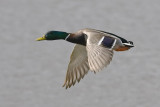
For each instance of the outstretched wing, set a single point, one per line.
(99, 49)
(98, 57)
(77, 67)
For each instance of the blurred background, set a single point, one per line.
(32, 73)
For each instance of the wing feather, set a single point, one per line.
(77, 67)
(94, 56)
(98, 57)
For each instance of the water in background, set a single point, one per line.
(32, 73)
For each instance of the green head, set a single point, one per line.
(53, 35)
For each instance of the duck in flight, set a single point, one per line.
(93, 51)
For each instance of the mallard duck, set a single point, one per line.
(93, 51)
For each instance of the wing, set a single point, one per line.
(98, 57)
(99, 49)
(77, 67)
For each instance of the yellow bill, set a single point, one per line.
(41, 38)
